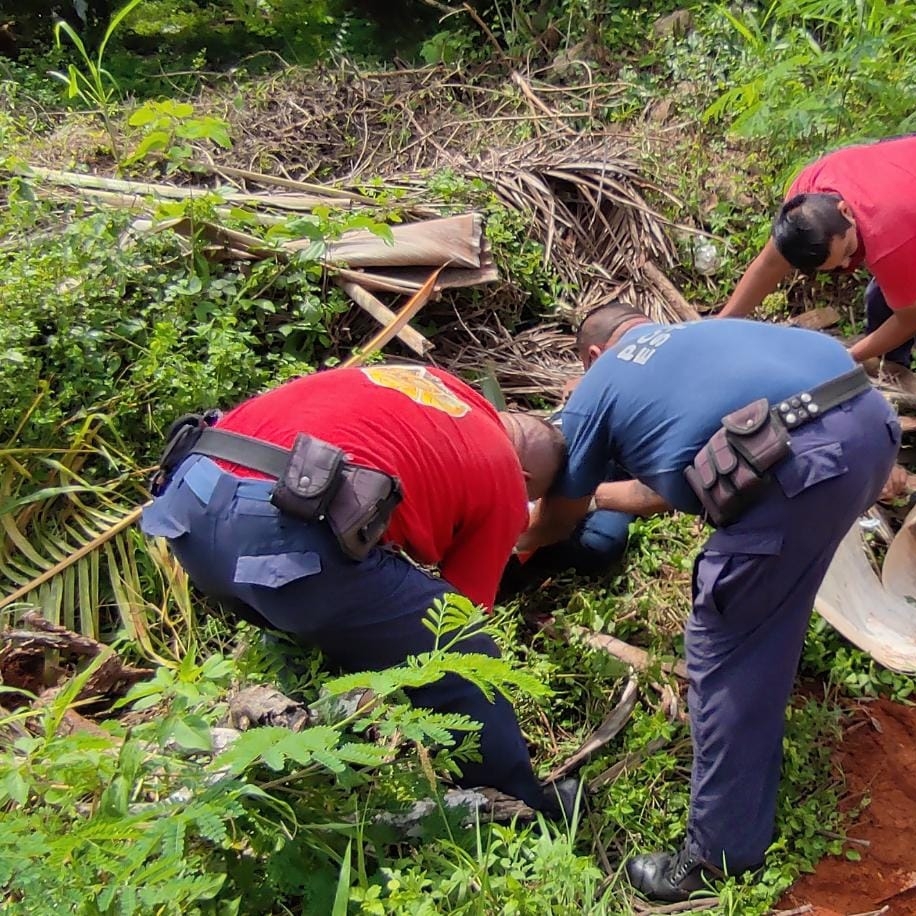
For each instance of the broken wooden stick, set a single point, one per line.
(413, 305)
(637, 658)
(613, 773)
(795, 911)
(684, 906)
(383, 315)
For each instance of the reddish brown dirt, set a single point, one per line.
(878, 756)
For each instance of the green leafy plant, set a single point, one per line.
(167, 128)
(816, 73)
(94, 85)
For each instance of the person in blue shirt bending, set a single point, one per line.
(784, 478)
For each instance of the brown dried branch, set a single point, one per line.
(605, 732)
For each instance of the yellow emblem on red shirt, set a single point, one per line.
(420, 385)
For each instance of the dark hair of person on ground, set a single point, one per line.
(599, 324)
(805, 227)
(540, 447)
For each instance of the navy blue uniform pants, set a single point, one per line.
(292, 576)
(754, 587)
(877, 311)
(597, 545)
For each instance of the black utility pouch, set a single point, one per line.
(730, 472)
(362, 509)
(311, 480)
(757, 435)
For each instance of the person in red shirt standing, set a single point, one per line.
(466, 474)
(854, 206)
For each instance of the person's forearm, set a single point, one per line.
(898, 329)
(630, 496)
(761, 278)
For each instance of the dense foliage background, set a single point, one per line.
(107, 334)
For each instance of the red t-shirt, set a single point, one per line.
(878, 181)
(464, 503)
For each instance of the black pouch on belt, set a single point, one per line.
(362, 509)
(319, 483)
(311, 480)
(730, 472)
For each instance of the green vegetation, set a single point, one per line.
(108, 333)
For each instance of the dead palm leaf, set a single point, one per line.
(67, 546)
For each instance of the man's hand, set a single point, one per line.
(898, 329)
(765, 273)
(899, 484)
(553, 519)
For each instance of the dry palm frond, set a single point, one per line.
(68, 548)
(54, 522)
(534, 363)
(389, 137)
(874, 616)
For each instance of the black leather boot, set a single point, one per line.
(671, 876)
(560, 798)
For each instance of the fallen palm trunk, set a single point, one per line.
(361, 260)
(37, 655)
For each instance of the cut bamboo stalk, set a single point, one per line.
(290, 183)
(297, 202)
(384, 316)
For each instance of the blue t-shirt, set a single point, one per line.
(654, 399)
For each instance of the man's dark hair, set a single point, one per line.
(601, 322)
(804, 228)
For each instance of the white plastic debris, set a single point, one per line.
(706, 257)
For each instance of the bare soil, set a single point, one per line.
(878, 756)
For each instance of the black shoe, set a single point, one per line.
(560, 798)
(671, 877)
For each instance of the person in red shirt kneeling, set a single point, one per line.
(465, 474)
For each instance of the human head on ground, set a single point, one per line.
(540, 447)
(603, 326)
(816, 232)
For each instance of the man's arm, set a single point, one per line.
(554, 519)
(898, 329)
(763, 275)
(630, 496)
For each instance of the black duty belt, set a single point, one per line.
(733, 469)
(243, 450)
(809, 405)
(315, 480)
